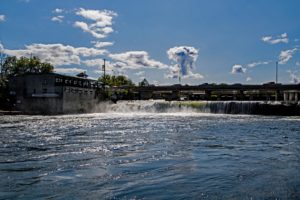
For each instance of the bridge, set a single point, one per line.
(289, 93)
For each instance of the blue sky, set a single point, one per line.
(222, 41)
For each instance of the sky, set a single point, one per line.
(196, 41)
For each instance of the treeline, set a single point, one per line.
(112, 80)
(13, 66)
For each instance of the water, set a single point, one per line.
(174, 155)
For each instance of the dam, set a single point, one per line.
(59, 94)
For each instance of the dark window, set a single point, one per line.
(45, 90)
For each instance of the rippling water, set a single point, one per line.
(149, 156)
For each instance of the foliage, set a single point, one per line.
(13, 66)
(112, 80)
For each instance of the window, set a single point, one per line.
(44, 90)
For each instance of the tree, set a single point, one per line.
(13, 66)
(115, 80)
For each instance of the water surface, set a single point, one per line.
(149, 156)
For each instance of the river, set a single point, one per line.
(149, 155)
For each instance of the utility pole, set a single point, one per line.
(276, 94)
(103, 68)
(2, 60)
(276, 72)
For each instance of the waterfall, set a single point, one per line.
(225, 107)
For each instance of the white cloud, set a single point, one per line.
(2, 18)
(56, 54)
(238, 69)
(298, 64)
(248, 79)
(286, 55)
(156, 83)
(102, 44)
(98, 63)
(58, 18)
(192, 75)
(283, 38)
(58, 10)
(254, 64)
(174, 73)
(294, 77)
(140, 73)
(135, 60)
(102, 22)
(68, 70)
(185, 58)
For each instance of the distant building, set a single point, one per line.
(53, 93)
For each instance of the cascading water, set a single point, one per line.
(225, 107)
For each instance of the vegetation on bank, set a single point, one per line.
(115, 81)
(112, 80)
(13, 66)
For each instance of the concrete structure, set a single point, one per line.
(266, 92)
(291, 96)
(53, 93)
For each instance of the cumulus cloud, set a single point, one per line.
(192, 75)
(294, 77)
(283, 38)
(102, 22)
(185, 58)
(58, 10)
(58, 18)
(140, 73)
(238, 69)
(248, 79)
(98, 44)
(56, 54)
(2, 18)
(135, 60)
(68, 70)
(286, 55)
(254, 64)
(98, 63)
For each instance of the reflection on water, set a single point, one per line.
(152, 156)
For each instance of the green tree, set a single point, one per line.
(112, 80)
(13, 66)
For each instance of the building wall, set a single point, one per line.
(78, 99)
(52, 94)
(42, 105)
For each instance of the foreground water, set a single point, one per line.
(149, 156)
